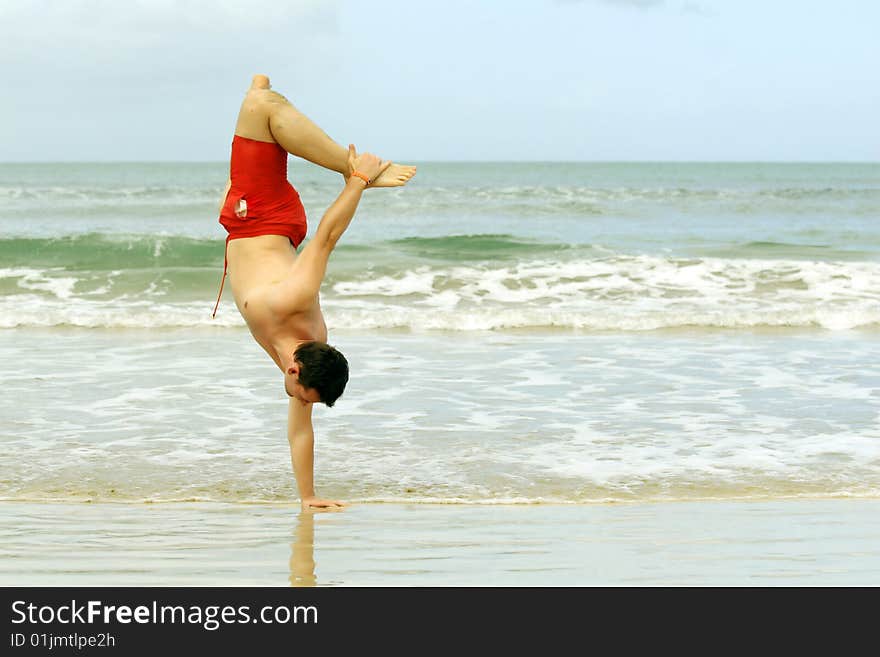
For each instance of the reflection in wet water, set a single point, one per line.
(302, 551)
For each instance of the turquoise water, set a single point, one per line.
(476, 246)
(518, 332)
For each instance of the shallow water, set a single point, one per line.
(474, 418)
(782, 543)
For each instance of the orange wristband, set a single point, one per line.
(362, 177)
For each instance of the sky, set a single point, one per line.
(416, 81)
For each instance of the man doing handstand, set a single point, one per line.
(276, 290)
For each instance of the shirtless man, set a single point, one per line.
(276, 290)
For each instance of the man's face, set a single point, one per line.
(296, 390)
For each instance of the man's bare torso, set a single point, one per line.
(257, 266)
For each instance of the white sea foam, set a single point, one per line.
(624, 292)
(31, 310)
(630, 293)
(53, 280)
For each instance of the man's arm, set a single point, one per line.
(302, 286)
(301, 437)
(311, 265)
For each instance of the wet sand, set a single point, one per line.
(834, 542)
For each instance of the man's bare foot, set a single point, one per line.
(260, 82)
(394, 176)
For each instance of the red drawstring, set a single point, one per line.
(222, 281)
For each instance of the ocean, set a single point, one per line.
(565, 333)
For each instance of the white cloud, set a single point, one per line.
(638, 4)
(116, 33)
(642, 4)
(697, 9)
(109, 56)
(93, 18)
(131, 77)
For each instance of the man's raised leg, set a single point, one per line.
(300, 136)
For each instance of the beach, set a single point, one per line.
(611, 374)
(771, 543)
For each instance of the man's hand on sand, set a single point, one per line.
(318, 503)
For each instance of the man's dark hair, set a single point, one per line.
(322, 368)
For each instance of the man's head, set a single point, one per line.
(318, 373)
